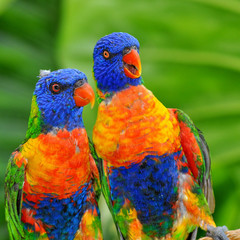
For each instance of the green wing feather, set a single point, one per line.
(97, 177)
(13, 198)
(105, 188)
(201, 163)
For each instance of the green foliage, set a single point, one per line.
(190, 56)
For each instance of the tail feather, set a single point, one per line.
(193, 235)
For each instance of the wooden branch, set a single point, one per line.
(232, 235)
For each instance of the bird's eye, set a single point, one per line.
(106, 54)
(55, 88)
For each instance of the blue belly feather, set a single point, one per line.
(63, 216)
(152, 188)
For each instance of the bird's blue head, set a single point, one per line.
(58, 100)
(117, 63)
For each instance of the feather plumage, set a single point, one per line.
(156, 165)
(52, 183)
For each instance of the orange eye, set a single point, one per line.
(106, 54)
(55, 87)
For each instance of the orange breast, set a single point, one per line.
(132, 125)
(57, 164)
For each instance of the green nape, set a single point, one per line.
(34, 122)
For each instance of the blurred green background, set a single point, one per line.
(190, 52)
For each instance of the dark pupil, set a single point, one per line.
(56, 87)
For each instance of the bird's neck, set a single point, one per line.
(34, 122)
(102, 95)
(108, 94)
(44, 122)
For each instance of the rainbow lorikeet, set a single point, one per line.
(156, 165)
(52, 182)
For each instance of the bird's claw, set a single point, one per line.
(217, 233)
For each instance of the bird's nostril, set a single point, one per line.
(126, 50)
(80, 82)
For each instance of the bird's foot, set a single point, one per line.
(217, 233)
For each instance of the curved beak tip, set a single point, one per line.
(132, 64)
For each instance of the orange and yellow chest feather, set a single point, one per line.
(57, 163)
(133, 124)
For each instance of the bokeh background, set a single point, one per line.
(190, 52)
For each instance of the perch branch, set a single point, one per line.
(232, 235)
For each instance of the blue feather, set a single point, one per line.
(61, 216)
(59, 110)
(151, 187)
(110, 73)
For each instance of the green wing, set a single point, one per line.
(96, 169)
(197, 153)
(105, 188)
(13, 197)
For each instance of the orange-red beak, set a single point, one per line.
(84, 95)
(132, 64)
